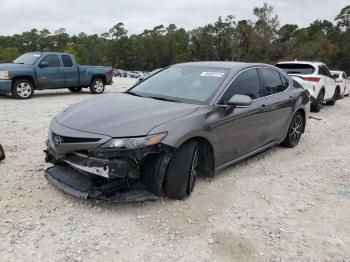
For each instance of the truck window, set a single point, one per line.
(67, 61)
(52, 61)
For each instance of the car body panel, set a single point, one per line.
(122, 115)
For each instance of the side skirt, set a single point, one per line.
(255, 152)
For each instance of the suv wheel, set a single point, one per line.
(316, 107)
(295, 131)
(336, 97)
(22, 89)
(97, 86)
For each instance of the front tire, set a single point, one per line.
(22, 89)
(295, 131)
(182, 171)
(97, 86)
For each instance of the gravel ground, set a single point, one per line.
(283, 205)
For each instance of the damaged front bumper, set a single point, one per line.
(86, 186)
(117, 176)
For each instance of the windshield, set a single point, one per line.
(27, 59)
(187, 84)
(303, 69)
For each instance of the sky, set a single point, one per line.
(98, 16)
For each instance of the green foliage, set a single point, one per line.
(8, 54)
(262, 40)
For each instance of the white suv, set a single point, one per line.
(343, 81)
(316, 78)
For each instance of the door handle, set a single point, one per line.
(265, 108)
(292, 98)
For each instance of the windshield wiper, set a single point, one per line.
(163, 99)
(134, 94)
(18, 63)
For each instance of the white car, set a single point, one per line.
(316, 78)
(343, 81)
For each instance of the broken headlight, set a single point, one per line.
(135, 143)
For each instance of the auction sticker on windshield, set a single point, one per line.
(213, 74)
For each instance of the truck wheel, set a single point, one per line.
(97, 86)
(182, 171)
(75, 89)
(22, 89)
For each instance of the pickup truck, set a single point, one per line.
(51, 70)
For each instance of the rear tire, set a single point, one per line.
(75, 89)
(22, 89)
(182, 171)
(295, 131)
(336, 97)
(97, 86)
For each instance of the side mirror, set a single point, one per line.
(43, 64)
(240, 101)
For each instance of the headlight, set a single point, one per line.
(4, 75)
(134, 143)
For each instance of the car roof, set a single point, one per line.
(302, 62)
(228, 65)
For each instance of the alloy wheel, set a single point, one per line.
(24, 90)
(98, 86)
(194, 170)
(296, 129)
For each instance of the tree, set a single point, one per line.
(266, 28)
(343, 18)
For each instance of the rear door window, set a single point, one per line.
(52, 61)
(67, 61)
(272, 82)
(247, 83)
(302, 69)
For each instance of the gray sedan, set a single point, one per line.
(188, 120)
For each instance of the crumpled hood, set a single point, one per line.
(122, 115)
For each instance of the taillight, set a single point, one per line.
(312, 79)
(339, 81)
(111, 72)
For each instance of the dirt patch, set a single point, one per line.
(283, 205)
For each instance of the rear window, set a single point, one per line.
(302, 69)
